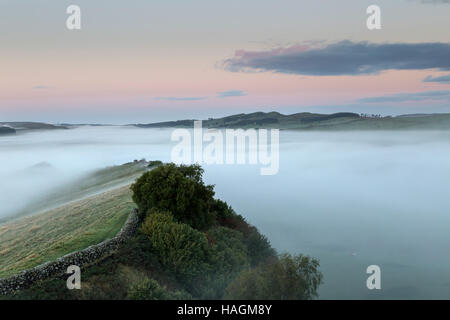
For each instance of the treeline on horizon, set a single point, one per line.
(190, 245)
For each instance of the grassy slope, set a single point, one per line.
(81, 214)
(92, 184)
(44, 237)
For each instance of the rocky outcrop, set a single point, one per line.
(81, 258)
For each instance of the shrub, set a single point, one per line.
(289, 278)
(228, 251)
(150, 289)
(222, 210)
(250, 285)
(228, 257)
(227, 217)
(259, 248)
(156, 218)
(180, 248)
(178, 189)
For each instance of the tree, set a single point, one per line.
(259, 248)
(289, 278)
(178, 189)
(180, 248)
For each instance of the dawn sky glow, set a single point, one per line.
(151, 61)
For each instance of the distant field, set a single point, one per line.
(44, 237)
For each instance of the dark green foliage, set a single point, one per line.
(45, 290)
(228, 251)
(259, 248)
(228, 256)
(179, 247)
(222, 211)
(155, 218)
(289, 278)
(138, 252)
(227, 217)
(154, 163)
(178, 189)
(205, 263)
(149, 289)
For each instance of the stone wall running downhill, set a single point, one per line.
(81, 258)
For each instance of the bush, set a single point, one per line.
(228, 257)
(289, 278)
(180, 248)
(250, 285)
(156, 218)
(150, 289)
(178, 189)
(259, 248)
(228, 251)
(222, 211)
(227, 217)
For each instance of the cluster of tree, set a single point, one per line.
(210, 249)
(376, 116)
(149, 289)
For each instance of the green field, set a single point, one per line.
(33, 240)
(83, 213)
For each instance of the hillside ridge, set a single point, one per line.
(316, 121)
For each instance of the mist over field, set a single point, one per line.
(351, 199)
(36, 163)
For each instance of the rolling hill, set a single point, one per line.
(7, 130)
(22, 125)
(316, 121)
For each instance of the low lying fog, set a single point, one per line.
(351, 199)
(36, 162)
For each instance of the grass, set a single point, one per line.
(91, 184)
(37, 239)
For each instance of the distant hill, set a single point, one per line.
(31, 126)
(70, 125)
(7, 130)
(316, 121)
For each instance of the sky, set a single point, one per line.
(144, 61)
